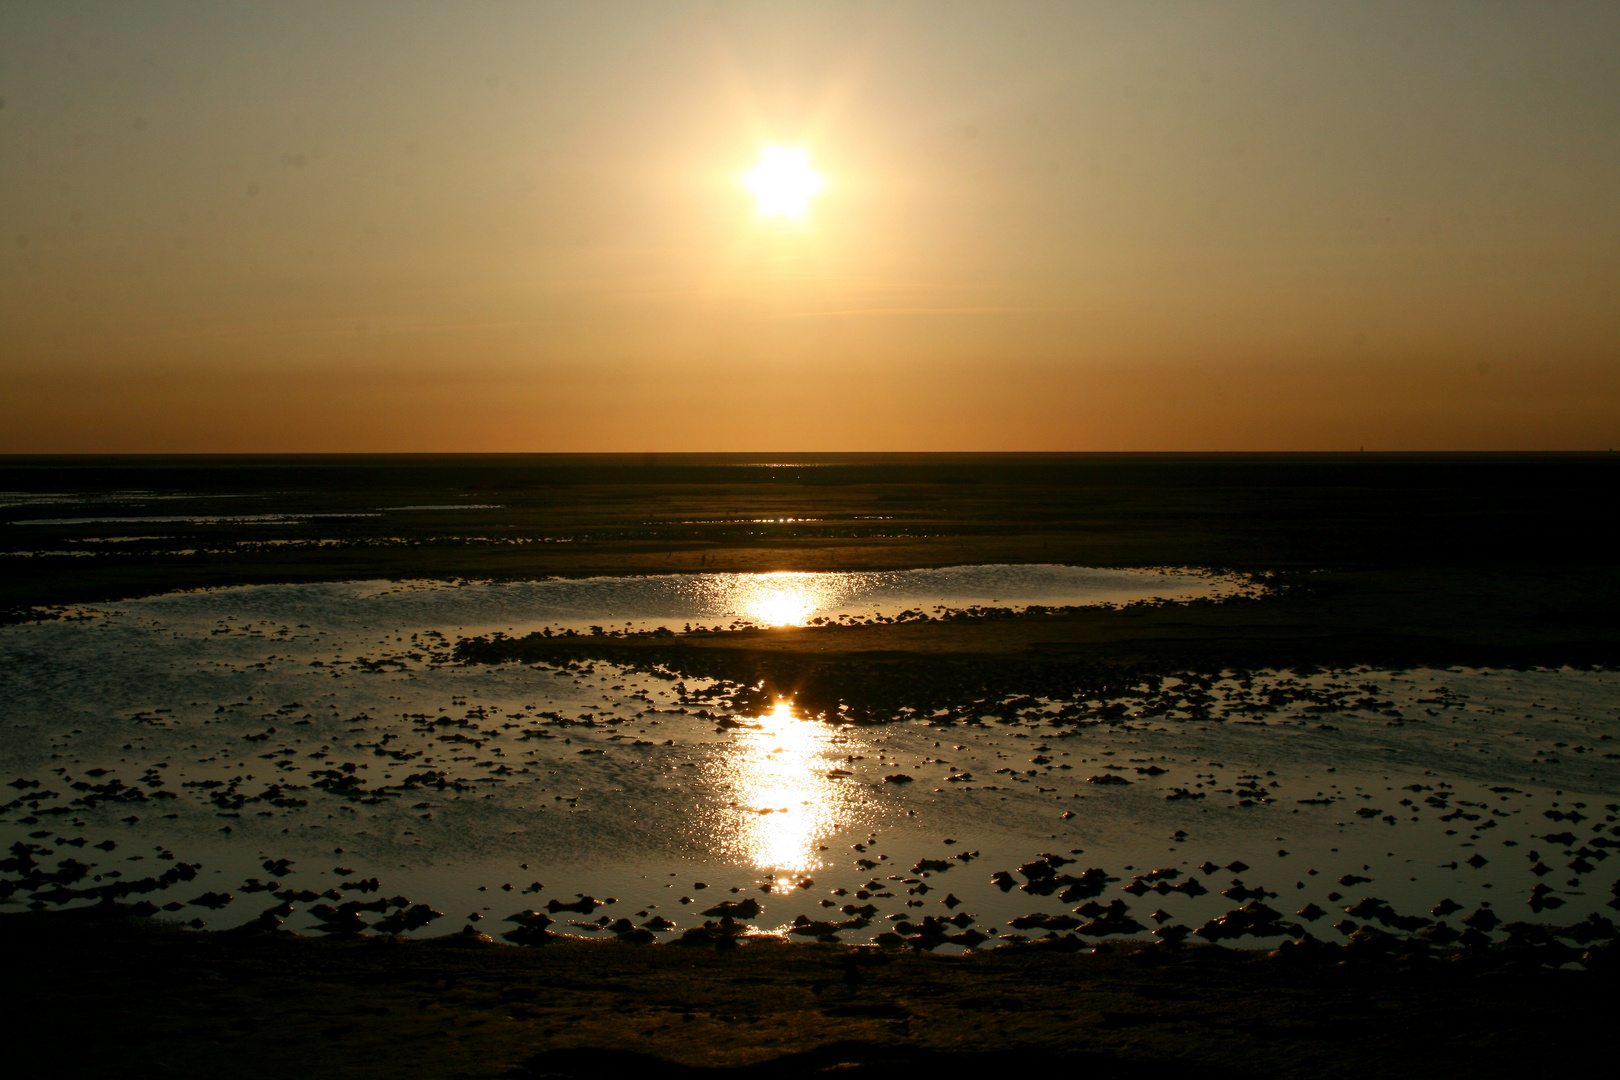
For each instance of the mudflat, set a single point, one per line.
(1385, 560)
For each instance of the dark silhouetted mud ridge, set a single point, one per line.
(955, 665)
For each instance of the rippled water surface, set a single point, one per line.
(674, 600)
(326, 726)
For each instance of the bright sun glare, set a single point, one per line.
(783, 182)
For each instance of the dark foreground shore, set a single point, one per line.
(88, 997)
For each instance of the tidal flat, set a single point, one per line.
(1153, 725)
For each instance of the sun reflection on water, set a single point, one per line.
(784, 598)
(785, 803)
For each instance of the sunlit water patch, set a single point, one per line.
(785, 799)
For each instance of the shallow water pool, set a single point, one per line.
(316, 740)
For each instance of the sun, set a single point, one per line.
(783, 182)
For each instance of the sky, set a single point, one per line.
(1071, 226)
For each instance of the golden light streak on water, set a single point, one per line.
(786, 804)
